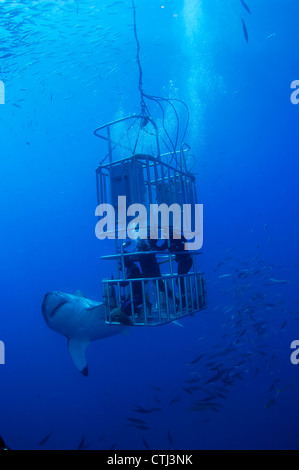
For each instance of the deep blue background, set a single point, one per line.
(69, 67)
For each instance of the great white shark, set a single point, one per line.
(81, 320)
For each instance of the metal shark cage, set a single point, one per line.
(147, 178)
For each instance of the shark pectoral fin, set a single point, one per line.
(177, 323)
(77, 350)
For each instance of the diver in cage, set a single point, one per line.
(150, 266)
(133, 272)
(184, 260)
(148, 261)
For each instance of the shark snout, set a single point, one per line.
(51, 301)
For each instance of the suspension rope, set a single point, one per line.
(144, 109)
(157, 99)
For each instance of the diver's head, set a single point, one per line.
(143, 245)
(126, 244)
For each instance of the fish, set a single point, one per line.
(7, 55)
(272, 35)
(244, 274)
(139, 409)
(216, 377)
(192, 389)
(135, 420)
(3, 446)
(270, 403)
(278, 391)
(170, 438)
(273, 384)
(279, 281)
(197, 359)
(81, 445)
(206, 400)
(194, 380)
(45, 439)
(139, 426)
(81, 320)
(262, 353)
(158, 389)
(145, 443)
(246, 6)
(205, 407)
(187, 390)
(175, 400)
(245, 31)
(210, 364)
(224, 276)
(221, 389)
(218, 266)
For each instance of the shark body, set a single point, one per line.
(79, 319)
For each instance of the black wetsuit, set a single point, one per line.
(148, 262)
(133, 272)
(184, 261)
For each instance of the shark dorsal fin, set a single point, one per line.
(79, 293)
(77, 350)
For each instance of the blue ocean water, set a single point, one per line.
(70, 66)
